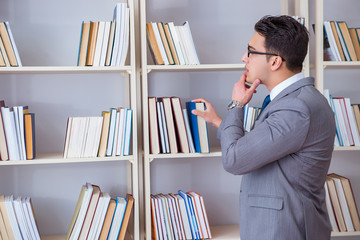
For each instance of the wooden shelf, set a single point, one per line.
(200, 67)
(63, 69)
(229, 232)
(58, 158)
(215, 152)
(343, 64)
(352, 148)
(345, 234)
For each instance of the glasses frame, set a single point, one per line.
(263, 53)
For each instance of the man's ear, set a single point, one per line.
(276, 62)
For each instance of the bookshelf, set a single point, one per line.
(54, 88)
(326, 73)
(171, 172)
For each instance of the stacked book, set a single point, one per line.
(179, 216)
(341, 43)
(99, 136)
(170, 44)
(17, 219)
(17, 133)
(341, 205)
(174, 129)
(105, 43)
(99, 216)
(9, 55)
(347, 117)
(250, 116)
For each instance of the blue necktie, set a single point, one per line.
(265, 103)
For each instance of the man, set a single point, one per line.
(284, 159)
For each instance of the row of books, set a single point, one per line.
(99, 216)
(171, 44)
(17, 133)
(341, 205)
(105, 43)
(174, 129)
(179, 216)
(99, 136)
(347, 117)
(341, 42)
(17, 218)
(9, 55)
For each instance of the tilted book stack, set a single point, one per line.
(171, 44)
(17, 218)
(9, 55)
(99, 216)
(105, 43)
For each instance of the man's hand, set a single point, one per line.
(243, 92)
(209, 114)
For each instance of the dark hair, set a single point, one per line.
(286, 37)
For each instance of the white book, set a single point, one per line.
(330, 210)
(13, 44)
(249, 116)
(20, 130)
(165, 216)
(191, 43)
(167, 144)
(155, 219)
(100, 223)
(188, 131)
(352, 120)
(13, 220)
(160, 44)
(332, 42)
(184, 216)
(20, 215)
(341, 122)
(10, 133)
(125, 43)
(338, 140)
(111, 135)
(82, 212)
(116, 133)
(97, 136)
(160, 218)
(28, 208)
(183, 44)
(177, 44)
(99, 43)
(92, 137)
(343, 204)
(67, 137)
(127, 132)
(199, 205)
(105, 42)
(161, 128)
(120, 142)
(98, 220)
(346, 121)
(171, 213)
(178, 216)
(121, 33)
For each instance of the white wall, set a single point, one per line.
(48, 32)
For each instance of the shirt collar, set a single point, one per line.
(284, 84)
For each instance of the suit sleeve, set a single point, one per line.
(283, 132)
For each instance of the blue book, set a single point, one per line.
(191, 215)
(194, 125)
(118, 217)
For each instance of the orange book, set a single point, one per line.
(336, 204)
(155, 50)
(165, 42)
(92, 43)
(85, 32)
(125, 222)
(108, 218)
(29, 125)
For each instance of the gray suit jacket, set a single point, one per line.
(284, 159)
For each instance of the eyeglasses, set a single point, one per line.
(263, 53)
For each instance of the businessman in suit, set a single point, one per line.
(285, 158)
